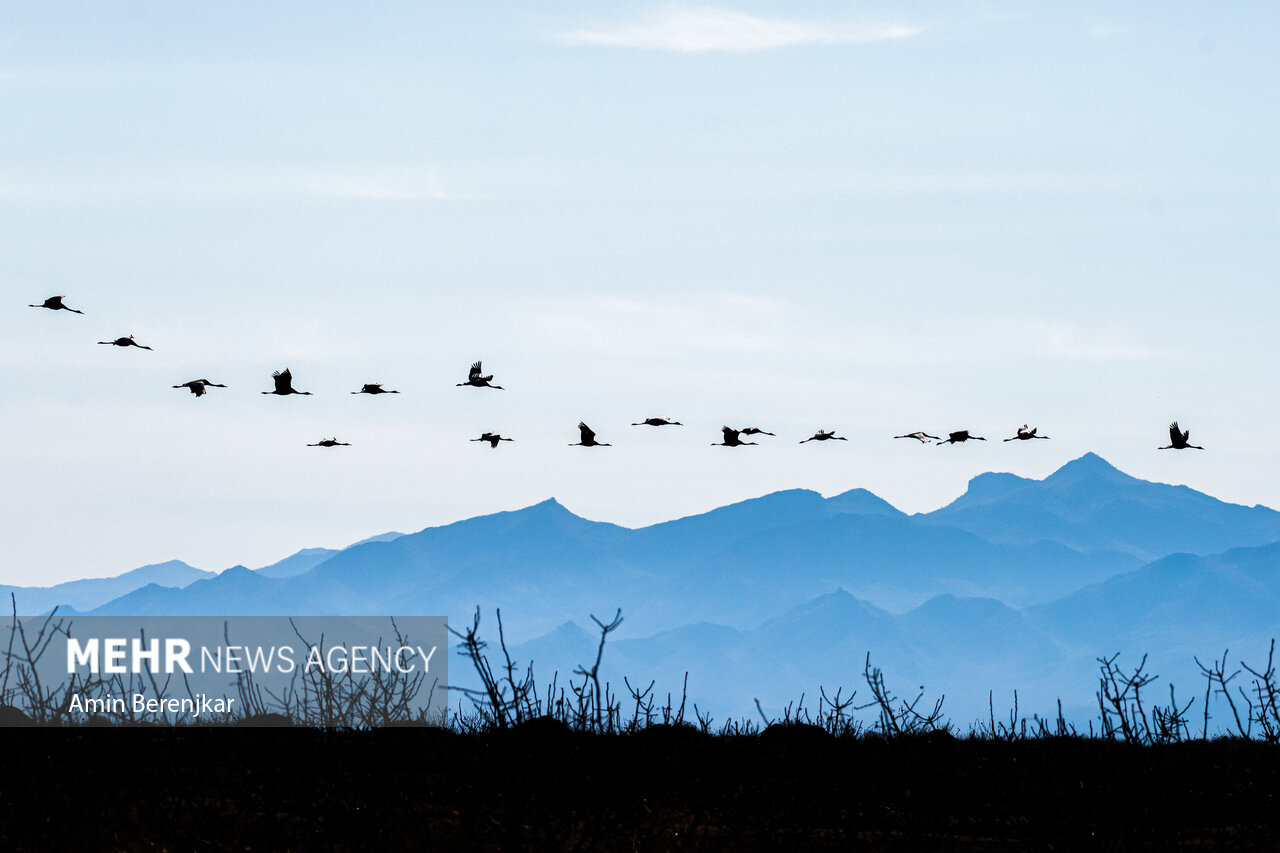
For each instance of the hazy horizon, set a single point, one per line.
(374, 535)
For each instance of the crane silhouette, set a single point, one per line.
(922, 437)
(753, 431)
(474, 379)
(329, 442)
(825, 435)
(960, 436)
(374, 388)
(199, 386)
(588, 438)
(284, 384)
(1179, 439)
(492, 437)
(1024, 434)
(54, 303)
(658, 422)
(731, 438)
(124, 342)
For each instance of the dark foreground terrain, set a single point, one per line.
(663, 789)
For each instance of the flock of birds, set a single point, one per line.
(1179, 439)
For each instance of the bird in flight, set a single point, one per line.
(374, 388)
(825, 435)
(124, 342)
(960, 436)
(588, 438)
(284, 383)
(658, 422)
(475, 379)
(1024, 434)
(731, 438)
(1179, 439)
(753, 431)
(922, 437)
(492, 437)
(329, 442)
(199, 386)
(54, 303)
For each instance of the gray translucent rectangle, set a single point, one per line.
(330, 671)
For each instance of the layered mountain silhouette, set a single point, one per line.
(94, 592)
(1017, 584)
(1089, 505)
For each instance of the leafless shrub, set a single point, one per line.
(1260, 702)
(1264, 709)
(501, 702)
(319, 697)
(1121, 709)
(897, 716)
(22, 685)
(595, 705)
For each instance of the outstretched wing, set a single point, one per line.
(1175, 435)
(475, 371)
(283, 379)
(730, 434)
(587, 435)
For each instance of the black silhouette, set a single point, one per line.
(284, 383)
(730, 438)
(1024, 434)
(374, 388)
(54, 303)
(492, 437)
(475, 379)
(1179, 440)
(825, 435)
(922, 437)
(124, 342)
(753, 431)
(199, 386)
(328, 442)
(960, 436)
(588, 438)
(658, 422)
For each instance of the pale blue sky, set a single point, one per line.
(864, 217)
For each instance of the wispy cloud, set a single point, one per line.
(731, 324)
(403, 184)
(188, 182)
(1105, 30)
(996, 340)
(711, 29)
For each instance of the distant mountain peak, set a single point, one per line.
(381, 537)
(550, 508)
(1090, 465)
(862, 502)
(993, 486)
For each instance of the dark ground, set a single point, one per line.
(425, 789)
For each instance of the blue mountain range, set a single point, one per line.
(1017, 584)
